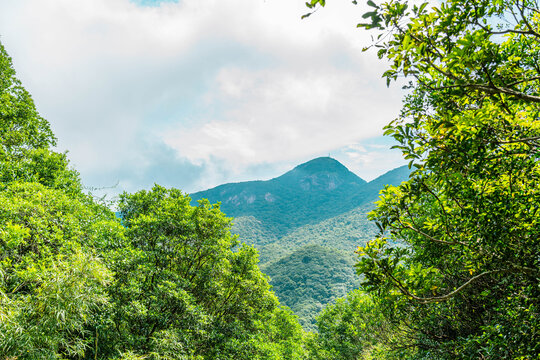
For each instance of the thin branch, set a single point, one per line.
(504, 90)
(534, 138)
(427, 300)
(407, 226)
(509, 31)
(490, 90)
(524, 80)
(527, 23)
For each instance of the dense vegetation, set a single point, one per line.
(310, 278)
(78, 283)
(453, 272)
(467, 283)
(344, 232)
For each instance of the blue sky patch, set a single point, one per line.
(152, 2)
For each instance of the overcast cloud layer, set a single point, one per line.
(201, 92)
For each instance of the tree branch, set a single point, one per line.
(427, 300)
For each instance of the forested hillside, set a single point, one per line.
(310, 278)
(344, 232)
(319, 206)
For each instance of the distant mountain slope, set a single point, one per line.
(335, 224)
(344, 232)
(311, 277)
(311, 192)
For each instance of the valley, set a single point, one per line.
(316, 211)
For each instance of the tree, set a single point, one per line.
(181, 292)
(26, 139)
(457, 256)
(52, 281)
(21, 126)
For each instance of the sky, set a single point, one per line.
(195, 93)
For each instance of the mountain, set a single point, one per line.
(308, 194)
(318, 208)
(281, 214)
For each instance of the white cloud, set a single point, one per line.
(228, 84)
(274, 115)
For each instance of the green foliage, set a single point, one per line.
(352, 328)
(182, 292)
(343, 232)
(76, 282)
(252, 231)
(51, 282)
(41, 166)
(21, 127)
(466, 283)
(25, 139)
(310, 278)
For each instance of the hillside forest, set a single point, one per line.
(451, 270)
(306, 225)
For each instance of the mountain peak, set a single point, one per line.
(322, 164)
(323, 173)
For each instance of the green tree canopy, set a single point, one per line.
(21, 127)
(185, 288)
(167, 281)
(52, 281)
(26, 139)
(465, 273)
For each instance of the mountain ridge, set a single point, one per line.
(322, 168)
(309, 193)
